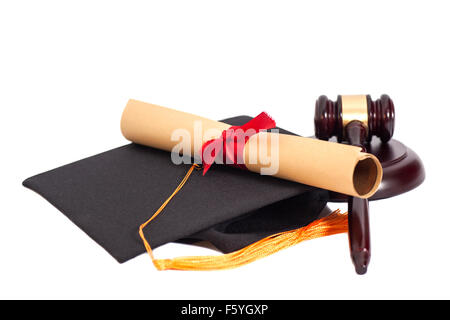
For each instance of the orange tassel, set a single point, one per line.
(335, 223)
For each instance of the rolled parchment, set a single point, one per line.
(328, 165)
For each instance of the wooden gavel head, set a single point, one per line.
(354, 118)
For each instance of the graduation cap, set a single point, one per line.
(111, 194)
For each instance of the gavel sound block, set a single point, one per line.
(360, 121)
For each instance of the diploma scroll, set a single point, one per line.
(328, 165)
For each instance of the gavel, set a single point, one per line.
(355, 119)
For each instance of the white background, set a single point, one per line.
(67, 69)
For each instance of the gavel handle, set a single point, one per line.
(358, 209)
(359, 233)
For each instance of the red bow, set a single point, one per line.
(232, 142)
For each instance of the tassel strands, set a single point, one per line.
(335, 223)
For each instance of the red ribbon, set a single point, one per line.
(232, 142)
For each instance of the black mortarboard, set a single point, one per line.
(111, 194)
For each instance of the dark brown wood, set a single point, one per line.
(328, 118)
(358, 209)
(402, 168)
(356, 134)
(381, 118)
(359, 233)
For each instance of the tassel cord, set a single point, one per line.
(335, 223)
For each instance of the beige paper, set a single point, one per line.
(328, 165)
